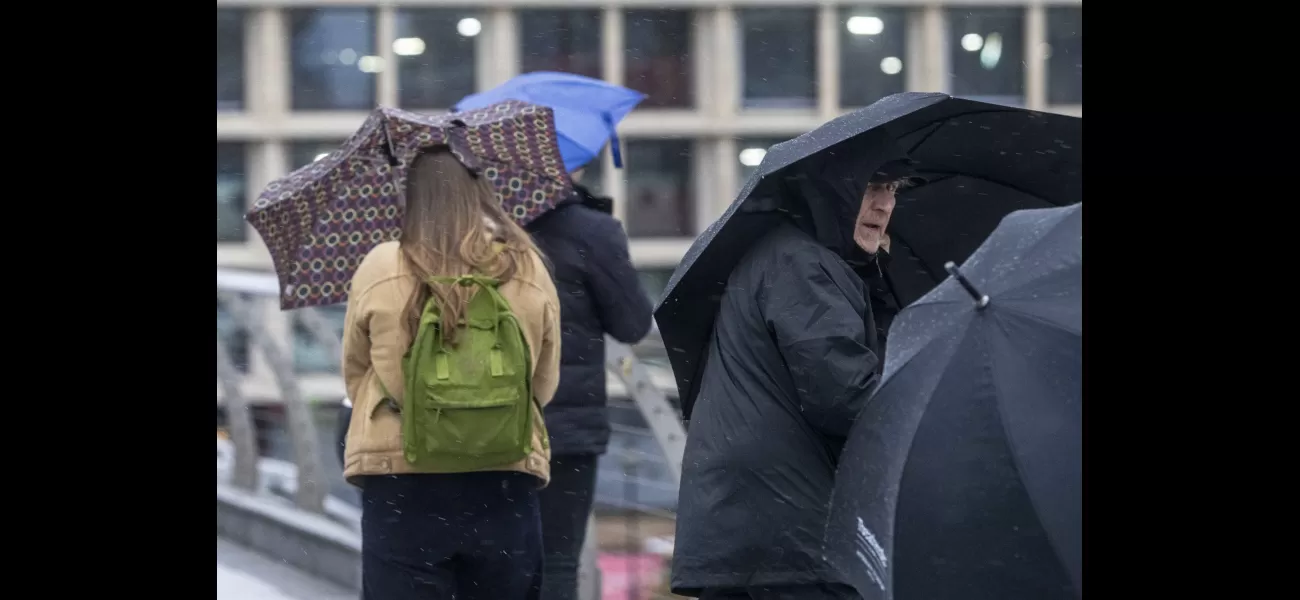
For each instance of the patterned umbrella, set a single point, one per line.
(320, 220)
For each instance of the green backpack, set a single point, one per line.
(468, 407)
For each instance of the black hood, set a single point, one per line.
(580, 196)
(826, 189)
(583, 195)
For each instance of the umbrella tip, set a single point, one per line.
(981, 300)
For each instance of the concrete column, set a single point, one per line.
(1035, 57)
(933, 73)
(828, 61)
(312, 486)
(243, 433)
(268, 62)
(385, 32)
(725, 67)
(503, 41)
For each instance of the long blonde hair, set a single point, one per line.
(453, 221)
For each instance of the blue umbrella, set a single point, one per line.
(586, 110)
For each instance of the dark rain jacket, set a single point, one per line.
(792, 360)
(884, 303)
(600, 293)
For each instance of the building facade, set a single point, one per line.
(725, 80)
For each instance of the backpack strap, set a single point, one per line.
(440, 360)
(496, 359)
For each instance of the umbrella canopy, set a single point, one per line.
(586, 110)
(962, 477)
(322, 219)
(981, 161)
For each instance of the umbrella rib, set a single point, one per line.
(925, 138)
(944, 121)
(950, 174)
(1015, 454)
(929, 397)
(1037, 319)
(1027, 251)
(1042, 238)
(899, 237)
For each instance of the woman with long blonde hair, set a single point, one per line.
(425, 535)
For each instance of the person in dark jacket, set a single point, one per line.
(600, 294)
(795, 353)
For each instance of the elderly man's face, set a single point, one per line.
(873, 216)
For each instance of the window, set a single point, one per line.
(235, 338)
(435, 51)
(750, 154)
(873, 45)
(310, 356)
(231, 182)
(654, 280)
(230, 60)
(987, 47)
(309, 151)
(779, 57)
(1064, 55)
(658, 57)
(593, 176)
(560, 40)
(332, 57)
(645, 484)
(660, 189)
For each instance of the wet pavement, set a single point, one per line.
(246, 575)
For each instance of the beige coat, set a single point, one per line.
(374, 340)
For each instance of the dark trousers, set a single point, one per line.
(816, 591)
(464, 536)
(566, 504)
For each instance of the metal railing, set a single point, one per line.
(241, 292)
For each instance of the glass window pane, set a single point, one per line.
(660, 189)
(560, 40)
(593, 177)
(779, 57)
(1064, 55)
(230, 60)
(750, 153)
(306, 152)
(231, 182)
(654, 280)
(435, 50)
(658, 57)
(873, 45)
(988, 52)
(236, 339)
(333, 58)
(309, 356)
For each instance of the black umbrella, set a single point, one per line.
(982, 161)
(963, 475)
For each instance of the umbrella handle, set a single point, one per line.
(981, 300)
